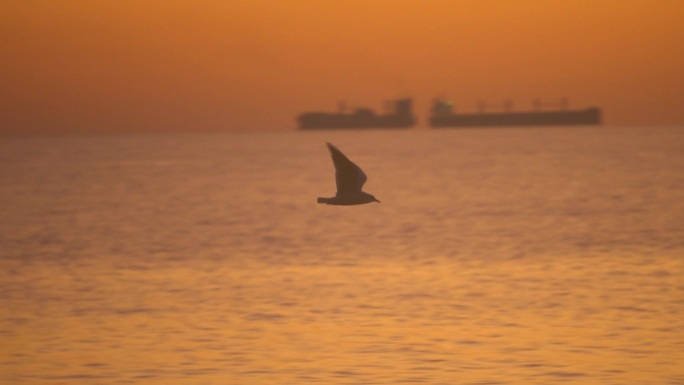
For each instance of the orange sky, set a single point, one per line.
(167, 65)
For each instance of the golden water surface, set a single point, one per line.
(525, 256)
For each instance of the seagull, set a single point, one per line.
(349, 179)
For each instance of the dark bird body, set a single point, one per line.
(349, 179)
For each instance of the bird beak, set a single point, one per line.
(376, 199)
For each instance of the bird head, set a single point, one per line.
(371, 198)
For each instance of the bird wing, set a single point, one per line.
(348, 176)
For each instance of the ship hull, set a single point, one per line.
(324, 121)
(590, 116)
(399, 116)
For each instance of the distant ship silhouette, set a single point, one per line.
(443, 116)
(399, 114)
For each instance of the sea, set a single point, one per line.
(497, 256)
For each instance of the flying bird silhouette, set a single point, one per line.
(349, 179)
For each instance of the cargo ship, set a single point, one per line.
(398, 114)
(444, 116)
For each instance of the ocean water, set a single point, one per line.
(497, 256)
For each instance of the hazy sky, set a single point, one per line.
(165, 65)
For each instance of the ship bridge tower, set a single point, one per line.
(442, 107)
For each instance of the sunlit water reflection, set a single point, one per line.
(525, 256)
